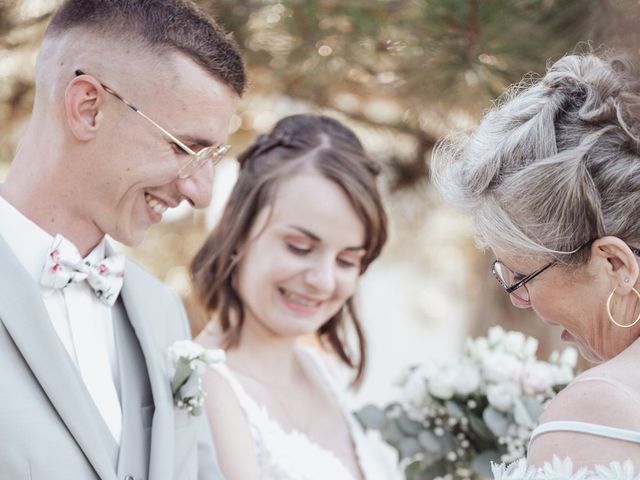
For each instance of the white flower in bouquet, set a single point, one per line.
(538, 377)
(467, 378)
(502, 395)
(501, 367)
(531, 347)
(569, 358)
(495, 335)
(513, 343)
(460, 415)
(565, 364)
(446, 380)
(478, 349)
(564, 375)
(441, 382)
(415, 389)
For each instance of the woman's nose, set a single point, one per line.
(321, 276)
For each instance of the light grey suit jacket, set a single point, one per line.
(49, 426)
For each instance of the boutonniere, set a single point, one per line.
(189, 361)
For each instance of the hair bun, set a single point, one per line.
(604, 91)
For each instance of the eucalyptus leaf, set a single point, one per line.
(481, 464)
(183, 371)
(409, 426)
(533, 406)
(370, 417)
(392, 408)
(521, 414)
(196, 411)
(429, 442)
(420, 470)
(436, 470)
(479, 428)
(414, 470)
(495, 421)
(190, 388)
(408, 447)
(391, 433)
(454, 409)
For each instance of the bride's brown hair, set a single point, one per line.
(297, 144)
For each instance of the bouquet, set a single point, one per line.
(455, 417)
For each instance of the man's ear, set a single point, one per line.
(621, 264)
(83, 100)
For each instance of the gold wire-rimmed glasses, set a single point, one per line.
(196, 160)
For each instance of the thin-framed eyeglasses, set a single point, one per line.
(196, 160)
(516, 284)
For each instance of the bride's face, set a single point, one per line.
(303, 257)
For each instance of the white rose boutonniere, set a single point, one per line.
(189, 361)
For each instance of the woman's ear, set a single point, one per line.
(83, 100)
(621, 263)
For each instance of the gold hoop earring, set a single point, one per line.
(609, 309)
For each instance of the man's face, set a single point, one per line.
(135, 177)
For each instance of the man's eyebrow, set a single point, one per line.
(316, 238)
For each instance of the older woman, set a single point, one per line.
(552, 180)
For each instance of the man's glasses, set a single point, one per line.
(211, 154)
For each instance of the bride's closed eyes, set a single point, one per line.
(348, 258)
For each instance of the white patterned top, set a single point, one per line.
(563, 470)
(283, 455)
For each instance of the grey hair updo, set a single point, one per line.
(555, 164)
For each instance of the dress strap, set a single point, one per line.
(588, 428)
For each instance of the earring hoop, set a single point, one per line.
(611, 316)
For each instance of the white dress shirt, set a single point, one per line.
(69, 309)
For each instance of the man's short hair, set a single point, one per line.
(161, 24)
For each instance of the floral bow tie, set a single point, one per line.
(64, 265)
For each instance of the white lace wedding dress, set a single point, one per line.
(292, 455)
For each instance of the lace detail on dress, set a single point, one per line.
(563, 470)
(283, 455)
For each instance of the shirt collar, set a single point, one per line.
(30, 243)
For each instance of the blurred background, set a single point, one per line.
(401, 73)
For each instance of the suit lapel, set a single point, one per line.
(26, 319)
(139, 303)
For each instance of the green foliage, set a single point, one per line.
(409, 66)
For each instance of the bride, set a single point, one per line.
(304, 221)
(552, 179)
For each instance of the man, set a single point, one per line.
(132, 105)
